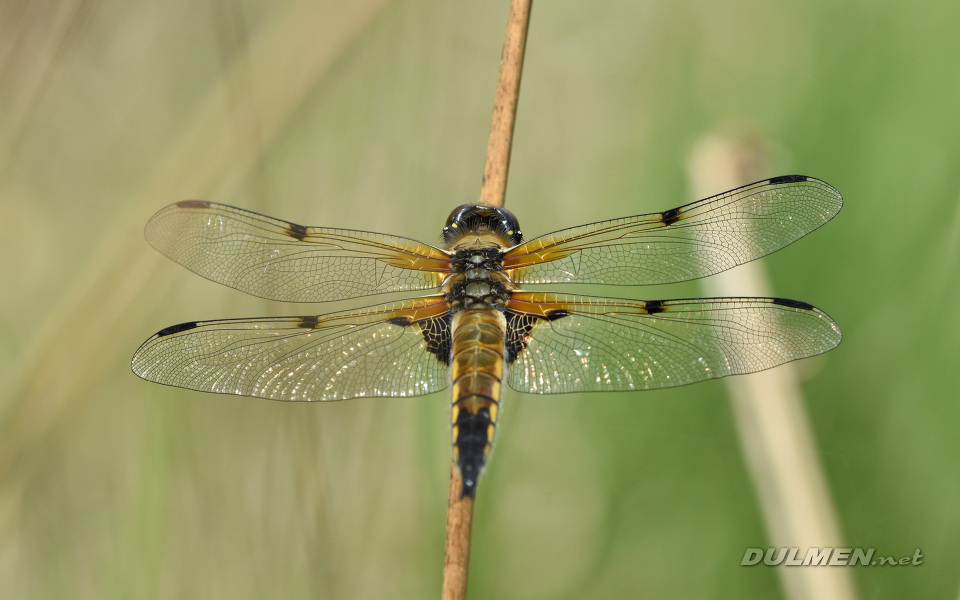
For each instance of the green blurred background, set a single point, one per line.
(374, 115)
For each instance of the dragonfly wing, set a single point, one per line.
(279, 260)
(558, 343)
(395, 349)
(696, 240)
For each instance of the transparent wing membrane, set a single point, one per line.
(384, 350)
(275, 259)
(695, 240)
(554, 343)
(564, 343)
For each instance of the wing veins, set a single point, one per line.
(736, 227)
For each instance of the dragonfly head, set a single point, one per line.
(478, 218)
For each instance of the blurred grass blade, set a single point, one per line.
(121, 282)
(768, 406)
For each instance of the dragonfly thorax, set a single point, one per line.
(477, 279)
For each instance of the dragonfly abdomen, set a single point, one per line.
(477, 374)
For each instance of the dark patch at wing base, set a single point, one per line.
(345, 354)
(612, 344)
(436, 332)
(518, 330)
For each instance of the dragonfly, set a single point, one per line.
(481, 326)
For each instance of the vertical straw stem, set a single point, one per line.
(494, 187)
(456, 551)
(456, 558)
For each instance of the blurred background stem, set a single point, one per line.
(778, 444)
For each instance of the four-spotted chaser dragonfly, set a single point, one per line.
(483, 328)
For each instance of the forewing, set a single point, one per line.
(696, 240)
(397, 349)
(285, 261)
(563, 343)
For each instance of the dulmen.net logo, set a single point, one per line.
(826, 557)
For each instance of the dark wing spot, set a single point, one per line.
(308, 322)
(177, 328)
(436, 332)
(296, 231)
(193, 204)
(654, 306)
(401, 321)
(793, 303)
(553, 315)
(788, 179)
(669, 217)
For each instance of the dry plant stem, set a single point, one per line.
(456, 553)
(494, 186)
(456, 558)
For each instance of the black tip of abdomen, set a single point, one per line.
(471, 445)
